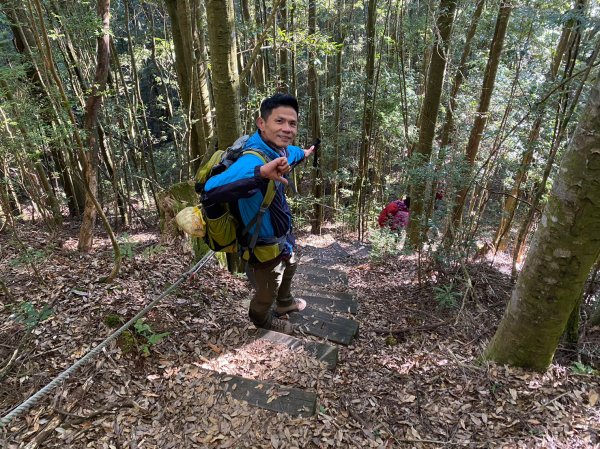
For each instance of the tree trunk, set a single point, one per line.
(563, 117)
(340, 37)
(202, 96)
(222, 43)
(429, 113)
(489, 79)
(92, 109)
(315, 125)
(225, 80)
(448, 129)
(147, 150)
(368, 103)
(563, 250)
(284, 71)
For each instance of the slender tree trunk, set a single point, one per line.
(315, 125)
(448, 129)
(284, 71)
(223, 57)
(51, 199)
(202, 97)
(431, 106)
(24, 38)
(400, 43)
(368, 104)
(489, 79)
(147, 153)
(293, 51)
(92, 109)
(340, 38)
(562, 121)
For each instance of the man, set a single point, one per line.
(272, 263)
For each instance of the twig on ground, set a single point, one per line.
(467, 291)
(76, 419)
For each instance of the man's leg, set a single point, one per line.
(266, 284)
(285, 300)
(284, 294)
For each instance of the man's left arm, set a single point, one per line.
(297, 154)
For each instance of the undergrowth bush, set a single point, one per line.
(385, 243)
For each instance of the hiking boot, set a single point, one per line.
(283, 326)
(297, 305)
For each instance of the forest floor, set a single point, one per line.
(426, 389)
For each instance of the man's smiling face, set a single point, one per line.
(280, 128)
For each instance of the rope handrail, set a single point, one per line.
(33, 399)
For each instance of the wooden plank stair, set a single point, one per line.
(270, 396)
(320, 351)
(327, 315)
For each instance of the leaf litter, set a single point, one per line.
(428, 390)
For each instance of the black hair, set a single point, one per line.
(407, 202)
(275, 101)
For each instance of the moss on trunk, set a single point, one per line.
(563, 250)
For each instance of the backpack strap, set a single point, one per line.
(257, 220)
(267, 200)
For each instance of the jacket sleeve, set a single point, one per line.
(295, 155)
(241, 180)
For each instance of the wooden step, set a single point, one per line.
(342, 296)
(344, 303)
(325, 325)
(270, 396)
(334, 251)
(320, 351)
(319, 261)
(311, 275)
(322, 271)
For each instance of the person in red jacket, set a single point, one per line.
(395, 215)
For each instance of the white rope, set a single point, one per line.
(29, 403)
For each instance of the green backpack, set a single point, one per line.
(223, 230)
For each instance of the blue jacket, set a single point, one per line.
(243, 182)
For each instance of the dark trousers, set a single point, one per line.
(270, 284)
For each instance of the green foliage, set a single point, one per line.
(150, 338)
(127, 342)
(126, 246)
(390, 340)
(385, 243)
(446, 296)
(495, 387)
(301, 206)
(582, 368)
(113, 320)
(153, 250)
(30, 316)
(31, 256)
(318, 42)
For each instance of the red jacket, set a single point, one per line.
(395, 215)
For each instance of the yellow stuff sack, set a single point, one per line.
(222, 233)
(191, 221)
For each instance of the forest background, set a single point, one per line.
(109, 108)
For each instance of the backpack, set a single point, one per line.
(223, 230)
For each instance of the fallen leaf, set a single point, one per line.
(593, 398)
